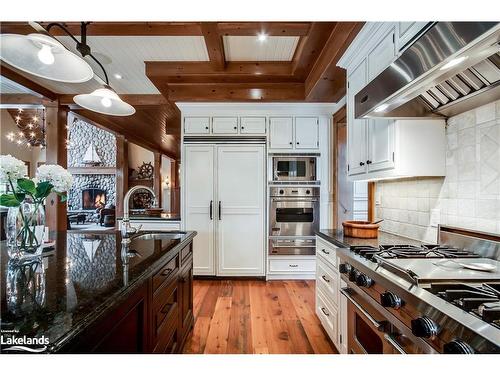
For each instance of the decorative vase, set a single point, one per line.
(25, 230)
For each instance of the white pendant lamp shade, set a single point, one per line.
(105, 101)
(43, 56)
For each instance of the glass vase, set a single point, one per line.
(25, 230)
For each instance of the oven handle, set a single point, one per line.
(376, 323)
(394, 343)
(292, 199)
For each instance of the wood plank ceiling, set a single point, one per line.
(311, 75)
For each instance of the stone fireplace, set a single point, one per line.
(92, 187)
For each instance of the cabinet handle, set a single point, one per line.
(326, 252)
(361, 163)
(165, 309)
(166, 272)
(206, 127)
(293, 265)
(242, 127)
(235, 128)
(211, 210)
(368, 162)
(291, 143)
(324, 278)
(220, 210)
(298, 143)
(325, 311)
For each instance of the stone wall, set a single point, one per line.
(81, 135)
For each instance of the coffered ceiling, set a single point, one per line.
(161, 63)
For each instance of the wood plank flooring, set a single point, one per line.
(253, 316)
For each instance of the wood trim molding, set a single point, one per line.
(371, 201)
(338, 117)
(269, 28)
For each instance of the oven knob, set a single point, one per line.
(389, 299)
(424, 327)
(308, 191)
(457, 347)
(363, 280)
(282, 191)
(345, 268)
(353, 274)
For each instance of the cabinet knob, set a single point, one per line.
(368, 162)
(242, 127)
(235, 128)
(361, 163)
(298, 143)
(291, 143)
(206, 127)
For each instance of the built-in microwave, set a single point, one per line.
(294, 168)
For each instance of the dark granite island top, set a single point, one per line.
(337, 238)
(78, 282)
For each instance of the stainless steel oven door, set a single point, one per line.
(293, 217)
(292, 246)
(289, 168)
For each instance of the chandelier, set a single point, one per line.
(31, 127)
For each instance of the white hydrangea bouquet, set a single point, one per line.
(26, 217)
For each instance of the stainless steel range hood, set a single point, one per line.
(451, 68)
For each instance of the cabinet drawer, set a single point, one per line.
(292, 265)
(197, 125)
(327, 251)
(253, 125)
(165, 311)
(327, 279)
(186, 253)
(328, 315)
(225, 125)
(166, 273)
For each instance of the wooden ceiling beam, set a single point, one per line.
(268, 28)
(114, 28)
(274, 92)
(12, 74)
(338, 41)
(214, 44)
(20, 99)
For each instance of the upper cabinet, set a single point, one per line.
(225, 125)
(288, 133)
(384, 148)
(253, 125)
(197, 125)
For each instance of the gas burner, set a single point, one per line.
(410, 251)
(482, 300)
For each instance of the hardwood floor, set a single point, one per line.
(253, 316)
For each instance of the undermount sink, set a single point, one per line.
(166, 235)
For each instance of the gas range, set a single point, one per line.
(425, 299)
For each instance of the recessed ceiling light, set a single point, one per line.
(454, 62)
(262, 37)
(381, 108)
(118, 76)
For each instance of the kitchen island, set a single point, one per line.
(90, 293)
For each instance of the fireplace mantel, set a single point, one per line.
(92, 170)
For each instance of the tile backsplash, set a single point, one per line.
(469, 195)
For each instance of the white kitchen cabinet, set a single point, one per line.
(306, 132)
(356, 128)
(380, 145)
(253, 125)
(382, 54)
(407, 31)
(225, 125)
(281, 133)
(196, 125)
(199, 205)
(240, 197)
(224, 202)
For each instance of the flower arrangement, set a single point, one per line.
(27, 196)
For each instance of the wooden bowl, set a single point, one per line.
(360, 229)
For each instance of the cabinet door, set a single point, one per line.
(185, 287)
(225, 125)
(307, 132)
(281, 132)
(196, 125)
(240, 220)
(381, 55)
(380, 144)
(253, 125)
(199, 198)
(356, 128)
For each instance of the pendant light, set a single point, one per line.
(43, 56)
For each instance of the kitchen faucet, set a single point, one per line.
(126, 229)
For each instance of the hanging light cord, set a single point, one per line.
(82, 45)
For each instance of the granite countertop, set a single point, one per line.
(71, 286)
(337, 237)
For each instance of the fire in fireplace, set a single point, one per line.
(93, 199)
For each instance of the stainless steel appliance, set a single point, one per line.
(294, 168)
(450, 68)
(411, 299)
(293, 220)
